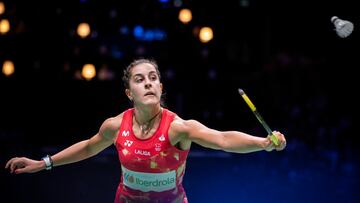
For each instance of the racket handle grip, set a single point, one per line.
(274, 139)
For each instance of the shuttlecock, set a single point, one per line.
(343, 28)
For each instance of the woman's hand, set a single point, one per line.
(19, 165)
(269, 145)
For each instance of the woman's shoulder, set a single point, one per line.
(177, 124)
(180, 125)
(178, 132)
(113, 123)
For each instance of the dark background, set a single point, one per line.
(285, 55)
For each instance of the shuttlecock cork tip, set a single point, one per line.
(333, 18)
(241, 92)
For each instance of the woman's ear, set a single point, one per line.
(128, 94)
(161, 87)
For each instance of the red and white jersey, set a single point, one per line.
(151, 169)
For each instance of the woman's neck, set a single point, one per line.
(146, 115)
(145, 120)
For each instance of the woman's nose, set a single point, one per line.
(147, 83)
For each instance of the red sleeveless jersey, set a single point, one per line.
(151, 169)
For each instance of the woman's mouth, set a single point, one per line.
(149, 94)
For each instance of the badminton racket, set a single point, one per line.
(273, 138)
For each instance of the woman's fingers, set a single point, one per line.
(15, 163)
(282, 140)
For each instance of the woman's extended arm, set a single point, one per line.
(76, 152)
(230, 141)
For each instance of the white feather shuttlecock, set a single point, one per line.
(343, 28)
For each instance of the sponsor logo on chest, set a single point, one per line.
(125, 133)
(142, 152)
(146, 182)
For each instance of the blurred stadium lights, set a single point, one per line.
(116, 33)
(83, 30)
(88, 71)
(206, 34)
(149, 34)
(8, 68)
(185, 15)
(4, 26)
(165, 3)
(2, 8)
(175, 3)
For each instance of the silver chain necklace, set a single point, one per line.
(146, 127)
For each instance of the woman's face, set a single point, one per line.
(144, 85)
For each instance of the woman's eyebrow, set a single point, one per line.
(138, 74)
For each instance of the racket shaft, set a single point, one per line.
(259, 117)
